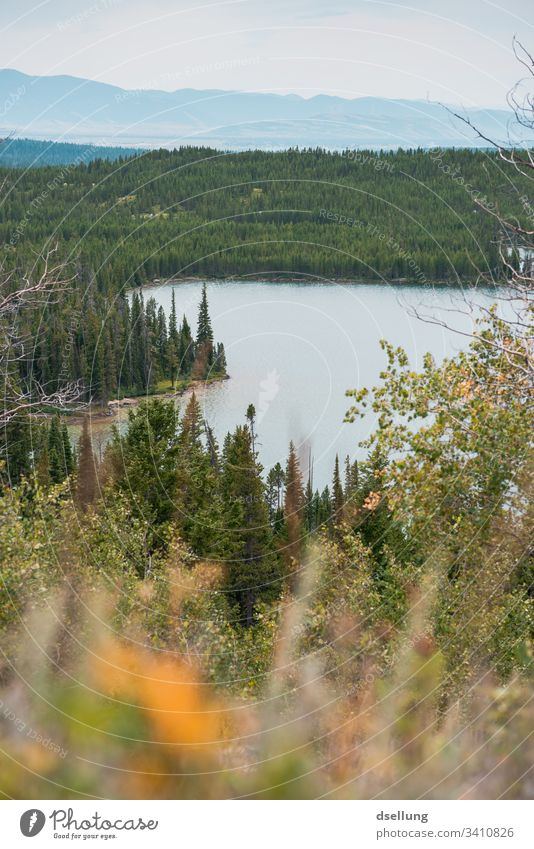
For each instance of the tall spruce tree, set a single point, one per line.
(275, 496)
(204, 351)
(199, 505)
(252, 569)
(204, 329)
(143, 463)
(293, 508)
(186, 350)
(60, 458)
(87, 480)
(338, 498)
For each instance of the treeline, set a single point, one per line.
(194, 211)
(188, 589)
(115, 347)
(171, 477)
(32, 153)
(443, 506)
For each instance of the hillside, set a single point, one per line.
(81, 110)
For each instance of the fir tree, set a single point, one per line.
(16, 447)
(143, 464)
(220, 365)
(87, 481)
(293, 507)
(275, 495)
(252, 570)
(186, 350)
(338, 498)
(204, 329)
(199, 506)
(68, 454)
(59, 455)
(250, 416)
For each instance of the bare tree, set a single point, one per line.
(513, 329)
(17, 297)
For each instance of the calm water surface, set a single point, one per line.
(293, 349)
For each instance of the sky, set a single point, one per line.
(458, 51)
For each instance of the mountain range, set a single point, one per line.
(64, 108)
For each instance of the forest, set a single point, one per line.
(196, 211)
(244, 600)
(110, 226)
(192, 625)
(34, 153)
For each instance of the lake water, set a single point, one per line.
(293, 349)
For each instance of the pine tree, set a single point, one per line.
(87, 481)
(220, 365)
(309, 507)
(293, 508)
(56, 449)
(173, 353)
(338, 498)
(252, 570)
(173, 322)
(186, 350)
(204, 352)
(204, 329)
(199, 506)
(68, 454)
(350, 490)
(162, 343)
(16, 447)
(275, 494)
(324, 513)
(250, 416)
(143, 464)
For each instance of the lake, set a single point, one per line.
(293, 349)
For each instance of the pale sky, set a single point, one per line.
(457, 51)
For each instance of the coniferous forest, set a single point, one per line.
(209, 628)
(113, 226)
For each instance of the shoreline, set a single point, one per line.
(111, 412)
(341, 281)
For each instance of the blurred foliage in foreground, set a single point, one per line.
(174, 626)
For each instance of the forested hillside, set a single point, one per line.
(32, 153)
(409, 214)
(220, 629)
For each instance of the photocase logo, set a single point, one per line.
(32, 822)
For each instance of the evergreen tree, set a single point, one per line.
(324, 513)
(68, 454)
(204, 329)
(173, 344)
(378, 527)
(143, 463)
(87, 481)
(338, 498)
(199, 505)
(293, 508)
(250, 416)
(16, 447)
(275, 496)
(309, 507)
(220, 365)
(350, 490)
(60, 461)
(252, 570)
(204, 352)
(186, 350)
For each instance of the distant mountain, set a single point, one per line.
(29, 153)
(73, 109)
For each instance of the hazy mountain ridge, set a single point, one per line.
(73, 109)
